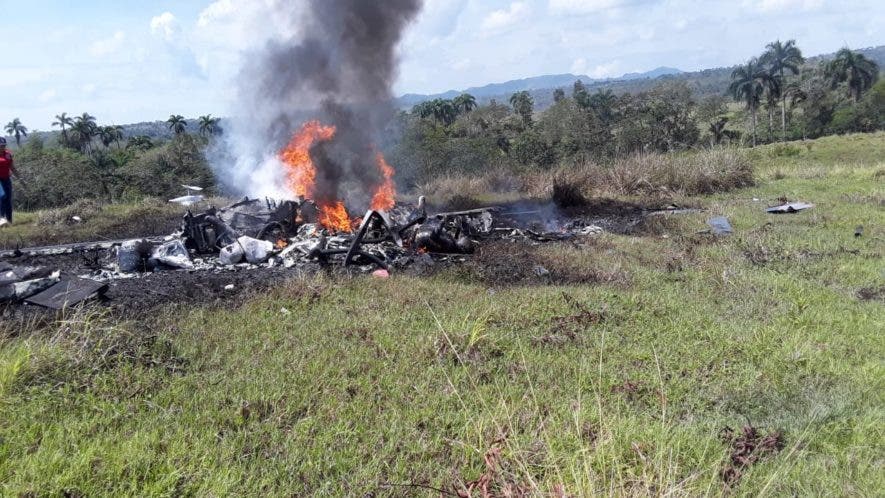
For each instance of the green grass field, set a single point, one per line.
(365, 387)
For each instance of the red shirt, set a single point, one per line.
(5, 165)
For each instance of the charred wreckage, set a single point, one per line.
(255, 233)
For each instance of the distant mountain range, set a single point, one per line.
(702, 83)
(530, 84)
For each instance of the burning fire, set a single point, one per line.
(334, 217)
(385, 196)
(302, 175)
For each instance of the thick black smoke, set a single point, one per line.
(340, 70)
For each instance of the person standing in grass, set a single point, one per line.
(7, 170)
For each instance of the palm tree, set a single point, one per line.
(177, 124)
(209, 125)
(110, 134)
(464, 103)
(17, 129)
(82, 132)
(783, 57)
(117, 134)
(443, 110)
(772, 96)
(88, 121)
(63, 121)
(852, 67)
(748, 84)
(524, 105)
(603, 102)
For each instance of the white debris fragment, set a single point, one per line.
(174, 254)
(24, 290)
(591, 230)
(231, 255)
(256, 251)
(188, 200)
(229, 287)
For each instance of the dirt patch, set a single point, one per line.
(572, 327)
(747, 448)
(873, 294)
(141, 296)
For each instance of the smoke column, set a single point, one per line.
(339, 68)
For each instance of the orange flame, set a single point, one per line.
(302, 173)
(334, 217)
(301, 176)
(385, 197)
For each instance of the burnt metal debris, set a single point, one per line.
(789, 208)
(256, 233)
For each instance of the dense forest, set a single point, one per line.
(777, 96)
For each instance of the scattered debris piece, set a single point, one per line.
(540, 271)
(591, 230)
(131, 255)
(789, 208)
(858, 231)
(172, 254)
(256, 251)
(747, 448)
(27, 288)
(68, 293)
(188, 200)
(674, 209)
(720, 226)
(232, 254)
(229, 287)
(381, 273)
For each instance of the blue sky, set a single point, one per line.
(127, 61)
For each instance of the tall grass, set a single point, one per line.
(657, 175)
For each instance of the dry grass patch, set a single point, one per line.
(661, 176)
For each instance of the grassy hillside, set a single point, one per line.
(619, 385)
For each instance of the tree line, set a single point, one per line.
(774, 77)
(842, 95)
(98, 162)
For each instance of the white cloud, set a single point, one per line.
(102, 48)
(89, 88)
(610, 69)
(217, 11)
(583, 6)
(501, 19)
(166, 25)
(461, 64)
(779, 5)
(47, 95)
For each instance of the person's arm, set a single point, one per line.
(12, 168)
